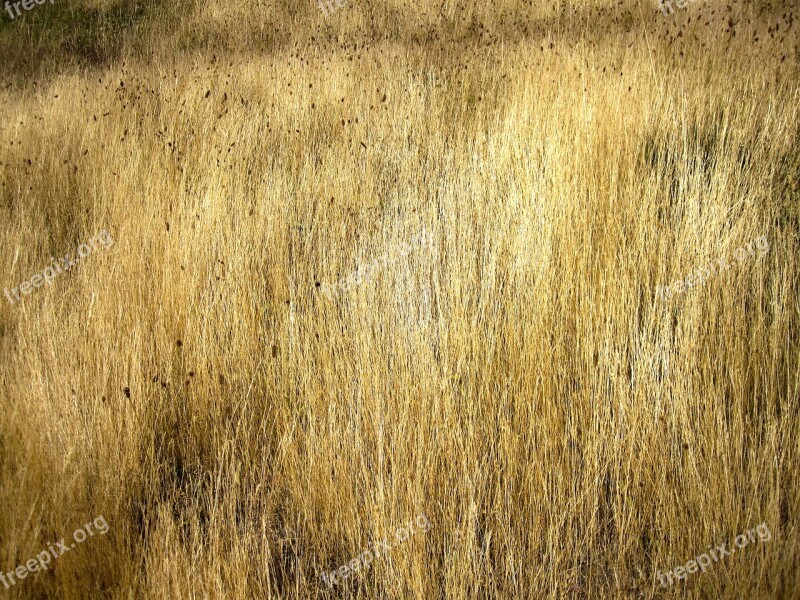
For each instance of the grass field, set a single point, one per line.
(516, 393)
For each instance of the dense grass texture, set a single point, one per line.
(517, 380)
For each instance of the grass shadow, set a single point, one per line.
(54, 36)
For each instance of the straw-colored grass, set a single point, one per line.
(567, 433)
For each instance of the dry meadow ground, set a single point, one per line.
(244, 425)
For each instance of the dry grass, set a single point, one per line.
(566, 433)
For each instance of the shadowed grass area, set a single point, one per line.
(52, 37)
